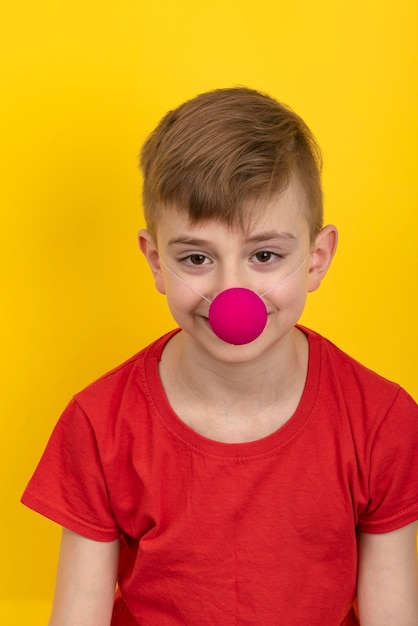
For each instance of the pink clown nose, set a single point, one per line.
(237, 316)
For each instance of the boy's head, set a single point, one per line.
(217, 154)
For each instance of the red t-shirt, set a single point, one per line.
(257, 533)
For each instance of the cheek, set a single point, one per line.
(182, 300)
(291, 294)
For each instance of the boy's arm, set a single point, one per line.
(86, 581)
(388, 578)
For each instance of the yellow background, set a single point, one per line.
(82, 85)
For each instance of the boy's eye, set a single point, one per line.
(197, 259)
(264, 256)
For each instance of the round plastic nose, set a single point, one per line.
(237, 315)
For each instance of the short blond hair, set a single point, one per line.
(214, 154)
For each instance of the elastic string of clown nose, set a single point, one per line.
(237, 315)
(283, 280)
(184, 282)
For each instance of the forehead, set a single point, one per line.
(285, 213)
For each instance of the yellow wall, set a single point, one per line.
(83, 83)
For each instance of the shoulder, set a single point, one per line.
(118, 397)
(358, 397)
(358, 384)
(127, 378)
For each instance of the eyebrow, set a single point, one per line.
(184, 239)
(266, 236)
(271, 235)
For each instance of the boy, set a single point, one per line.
(241, 470)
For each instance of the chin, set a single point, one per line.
(237, 354)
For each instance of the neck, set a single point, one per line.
(235, 402)
(268, 377)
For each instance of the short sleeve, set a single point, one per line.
(68, 485)
(393, 469)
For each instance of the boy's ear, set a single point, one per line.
(323, 250)
(150, 251)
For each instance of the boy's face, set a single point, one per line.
(210, 257)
